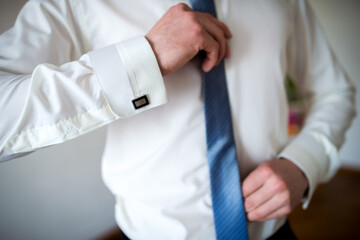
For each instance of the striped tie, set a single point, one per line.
(229, 214)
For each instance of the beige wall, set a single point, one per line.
(57, 193)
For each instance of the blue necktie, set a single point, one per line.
(229, 214)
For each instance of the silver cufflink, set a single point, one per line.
(140, 102)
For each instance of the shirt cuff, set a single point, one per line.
(310, 156)
(127, 71)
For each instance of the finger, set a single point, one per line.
(257, 198)
(211, 47)
(272, 205)
(272, 186)
(220, 24)
(227, 50)
(256, 179)
(217, 33)
(225, 28)
(228, 35)
(283, 211)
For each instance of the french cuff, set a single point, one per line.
(309, 155)
(129, 76)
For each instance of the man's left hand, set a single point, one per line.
(273, 189)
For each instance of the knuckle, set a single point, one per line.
(208, 15)
(266, 170)
(284, 198)
(246, 188)
(279, 185)
(287, 195)
(200, 43)
(257, 215)
(219, 33)
(190, 17)
(196, 30)
(179, 7)
(252, 216)
(287, 210)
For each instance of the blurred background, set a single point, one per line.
(57, 193)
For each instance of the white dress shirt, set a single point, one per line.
(68, 67)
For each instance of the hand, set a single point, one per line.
(273, 189)
(181, 33)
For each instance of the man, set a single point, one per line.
(69, 67)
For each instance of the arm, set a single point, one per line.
(52, 93)
(312, 157)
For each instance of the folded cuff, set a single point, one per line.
(126, 71)
(309, 155)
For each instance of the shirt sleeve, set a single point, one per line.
(313, 66)
(50, 91)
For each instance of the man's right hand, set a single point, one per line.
(181, 33)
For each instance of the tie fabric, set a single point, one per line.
(228, 208)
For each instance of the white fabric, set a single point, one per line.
(52, 90)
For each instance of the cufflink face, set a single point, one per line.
(140, 102)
